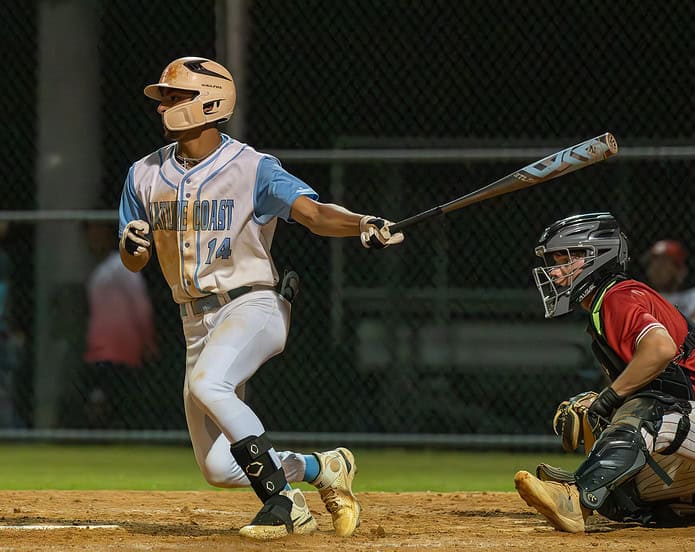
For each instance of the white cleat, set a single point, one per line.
(334, 484)
(281, 515)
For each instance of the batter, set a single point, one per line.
(209, 204)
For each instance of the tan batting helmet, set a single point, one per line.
(214, 87)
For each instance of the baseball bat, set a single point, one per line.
(562, 162)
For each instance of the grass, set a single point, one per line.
(92, 467)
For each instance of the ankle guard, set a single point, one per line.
(251, 453)
(275, 511)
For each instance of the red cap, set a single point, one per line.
(670, 248)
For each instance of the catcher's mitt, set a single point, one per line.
(574, 423)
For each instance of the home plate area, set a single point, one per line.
(210, 521)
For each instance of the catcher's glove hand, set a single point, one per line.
(575, 423)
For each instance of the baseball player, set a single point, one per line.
(642, 465)
(209, 204)
(666, 271)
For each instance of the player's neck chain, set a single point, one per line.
(190, 162)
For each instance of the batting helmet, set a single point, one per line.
(215, 93)
(596, 237)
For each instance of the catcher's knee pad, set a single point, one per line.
(251, 453)
(620, 452)
(617, 455)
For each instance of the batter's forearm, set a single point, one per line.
(326, 219)
(337, 222)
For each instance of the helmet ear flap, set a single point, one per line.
(184, 116)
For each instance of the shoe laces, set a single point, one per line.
(570, 489)
(331, 498)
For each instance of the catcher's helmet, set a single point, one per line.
(594, 236)
(214, 87)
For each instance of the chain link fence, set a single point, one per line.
(442, 335)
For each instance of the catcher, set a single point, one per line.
(637, 431)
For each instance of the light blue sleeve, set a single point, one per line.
(276, 190)
(131, 208)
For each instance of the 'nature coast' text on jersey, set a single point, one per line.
(212, 225)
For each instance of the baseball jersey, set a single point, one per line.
(213, 224)
(630, 309)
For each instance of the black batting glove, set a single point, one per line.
(605, 404)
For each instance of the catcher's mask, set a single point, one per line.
(213, 85)
(594, 248)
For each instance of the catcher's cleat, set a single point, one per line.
(546, 472)
(282, 514)
(557, 502)
(334, 483)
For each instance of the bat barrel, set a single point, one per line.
(557, 164)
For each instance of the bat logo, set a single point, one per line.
(560, 162)
(254, 469)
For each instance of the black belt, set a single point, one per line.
(209, 303)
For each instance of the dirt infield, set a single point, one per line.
(391, 521)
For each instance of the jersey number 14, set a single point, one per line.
(222, 252)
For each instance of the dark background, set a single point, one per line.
(404, 74)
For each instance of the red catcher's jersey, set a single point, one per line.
(630, 309)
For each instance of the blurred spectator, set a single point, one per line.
(666, 271)
(120, 336)
(11, 341)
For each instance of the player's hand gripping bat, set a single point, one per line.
(563, 162)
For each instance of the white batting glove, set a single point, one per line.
(374, 232)
(134, 239)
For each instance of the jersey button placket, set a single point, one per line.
(189, 182)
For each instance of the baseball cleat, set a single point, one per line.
(334, 484)
(557, 502)
(281, 515)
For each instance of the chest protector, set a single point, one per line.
(674, 380)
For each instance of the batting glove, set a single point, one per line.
(605, 403)
(374, 232)
(133, 239)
